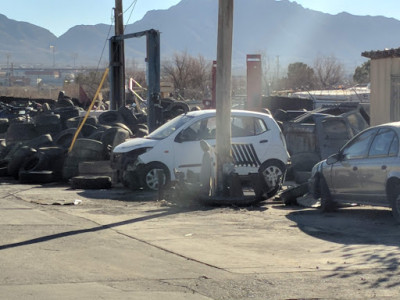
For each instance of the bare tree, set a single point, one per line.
(191, 76)
(329, 71)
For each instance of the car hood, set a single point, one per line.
(134, 144)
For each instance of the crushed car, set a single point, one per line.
(314, 135)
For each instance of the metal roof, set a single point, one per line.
(387, 53)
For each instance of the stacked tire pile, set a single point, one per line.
(36, 150)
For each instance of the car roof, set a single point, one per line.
(394, 125)
(237, 112)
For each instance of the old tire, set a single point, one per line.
(91, 182)
(3, 168)
(20, 132)
(18, 159)
(36, 177)
(65, 137)
(109, 117)
(149, 176)
(290, 195)
(76, 121)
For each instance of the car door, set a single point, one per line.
(188, 154)
(373, 170)
(345, 178)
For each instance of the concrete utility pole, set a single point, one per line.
(223, 90)
(119, 71)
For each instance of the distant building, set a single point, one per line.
(385, 85)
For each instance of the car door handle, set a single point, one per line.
(263, 141)
(355, 168)
(383, 167)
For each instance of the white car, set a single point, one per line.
(258, 147)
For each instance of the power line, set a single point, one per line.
(133, 4)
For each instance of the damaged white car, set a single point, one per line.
(258, 146)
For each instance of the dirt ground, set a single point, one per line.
(120, 244)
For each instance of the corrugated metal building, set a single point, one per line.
(385, 85)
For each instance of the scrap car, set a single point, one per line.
(366, 170)
(258, 147)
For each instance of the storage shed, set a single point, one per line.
(385, 85)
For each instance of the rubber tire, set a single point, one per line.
(148, 176)
(87, 149)
(20, 132)
(127, 116)
(44, 140)
(91, 182)
(270, 171)
(109, 117)
(36, 177)
(3, 168)
(76, 121)
(327, 203)
(18, 159)
(290, 195)
(65, 137)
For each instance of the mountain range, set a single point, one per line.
(282, 31)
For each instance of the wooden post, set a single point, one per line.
(223, 90)
(119, 74)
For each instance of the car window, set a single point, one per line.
(358, 147)
(203, 129)
(356, 122)
(394, 147)
(169, 128)
(247, 126)
(335, 129)
(381, 143)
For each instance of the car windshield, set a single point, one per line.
(169, 128)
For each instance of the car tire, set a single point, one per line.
(327, 203)
(149, 176)
(273, 174)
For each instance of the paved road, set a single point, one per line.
(117, 244)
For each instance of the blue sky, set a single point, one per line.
(60, 15)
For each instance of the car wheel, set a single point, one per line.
(272, 173)
(149, 176)
(327, 203)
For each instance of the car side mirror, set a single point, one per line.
(333, 158)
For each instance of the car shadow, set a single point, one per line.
(350, 225)
(355, 229)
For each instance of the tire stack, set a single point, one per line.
(35, 150)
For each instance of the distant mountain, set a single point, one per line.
(281, 29)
